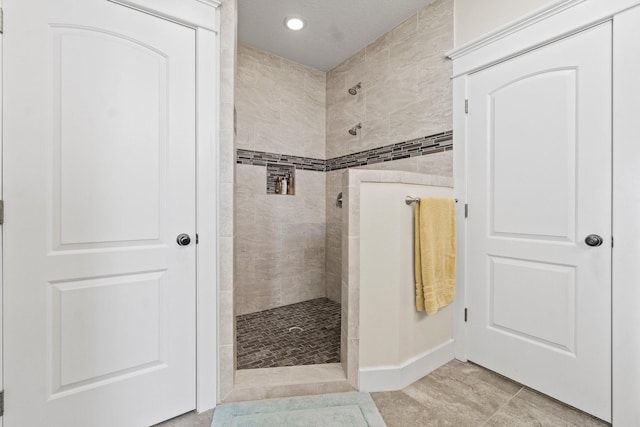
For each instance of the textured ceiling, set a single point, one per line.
(335, 30)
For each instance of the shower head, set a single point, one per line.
(354, 90)
(354, 130)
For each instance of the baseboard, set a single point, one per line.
(389, 378)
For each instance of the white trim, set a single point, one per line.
(192, 13)
(1, 234)
(512, 27)
(460, 193)
(389, 378)
(211, 3)
(626, 211)
(207, 125)
(542, 27)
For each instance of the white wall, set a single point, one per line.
(393, 335)
(473, 18)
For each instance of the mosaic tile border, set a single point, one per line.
(402, 150)
(261, 158)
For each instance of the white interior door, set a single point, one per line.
(539, 180)
(99, 179)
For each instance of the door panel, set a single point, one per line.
(125, 132)
(99, 179)
(538, 307)
(539, 174)
(106, 328)
(547, 208)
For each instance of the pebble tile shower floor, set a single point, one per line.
(266, 338)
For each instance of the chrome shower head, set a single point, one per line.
(354, 90)
(354, 130)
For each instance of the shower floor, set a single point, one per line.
(271, 338)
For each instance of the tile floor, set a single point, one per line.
(266, 340)
(458, 394)
(464, 394)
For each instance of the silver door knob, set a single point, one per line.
(183, 239)
(593, 240)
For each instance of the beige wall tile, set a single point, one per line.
(226, 362)
(333, 235)
(281, 105)
(227, 317)
(226, 263)
(437, 16)
(280, 254)
(248, 378)
(436, 164)
(281, 108)
(406, 84)
(227, 370)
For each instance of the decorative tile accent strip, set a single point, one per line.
(401, 150)
(260, 158)
(413, 148)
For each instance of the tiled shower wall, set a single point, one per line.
(226, 336)
(406, 94)
(280, 239)
(288, 248)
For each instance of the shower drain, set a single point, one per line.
(295, 329)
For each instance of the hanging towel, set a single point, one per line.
(435, 253)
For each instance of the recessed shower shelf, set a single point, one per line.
(275, 171)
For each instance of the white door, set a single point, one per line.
(539, 182)
(99, 180)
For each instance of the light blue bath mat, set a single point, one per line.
(326, 410)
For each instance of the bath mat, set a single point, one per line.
(331, 410)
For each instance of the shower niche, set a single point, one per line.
(281, 179)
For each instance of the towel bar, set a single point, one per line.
(409, 200)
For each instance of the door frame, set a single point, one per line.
(203, 17)
(543, 26)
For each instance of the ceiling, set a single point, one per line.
(335, 29)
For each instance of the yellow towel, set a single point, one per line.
(435, 253)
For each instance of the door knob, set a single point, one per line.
(593, 240)
(183, 239)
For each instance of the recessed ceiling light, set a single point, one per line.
(294, 24)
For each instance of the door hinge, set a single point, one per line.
(466, 210)
(466, 106)
(1, 20)
(197, 238)
(1, 403)
(465, 314)
(611, 241)
(1, 211)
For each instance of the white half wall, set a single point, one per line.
(398, 345)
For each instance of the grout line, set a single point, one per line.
(503, 406)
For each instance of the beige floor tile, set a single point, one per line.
(530, 408)
(462, 393)
(190, 419)
(400, 410)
